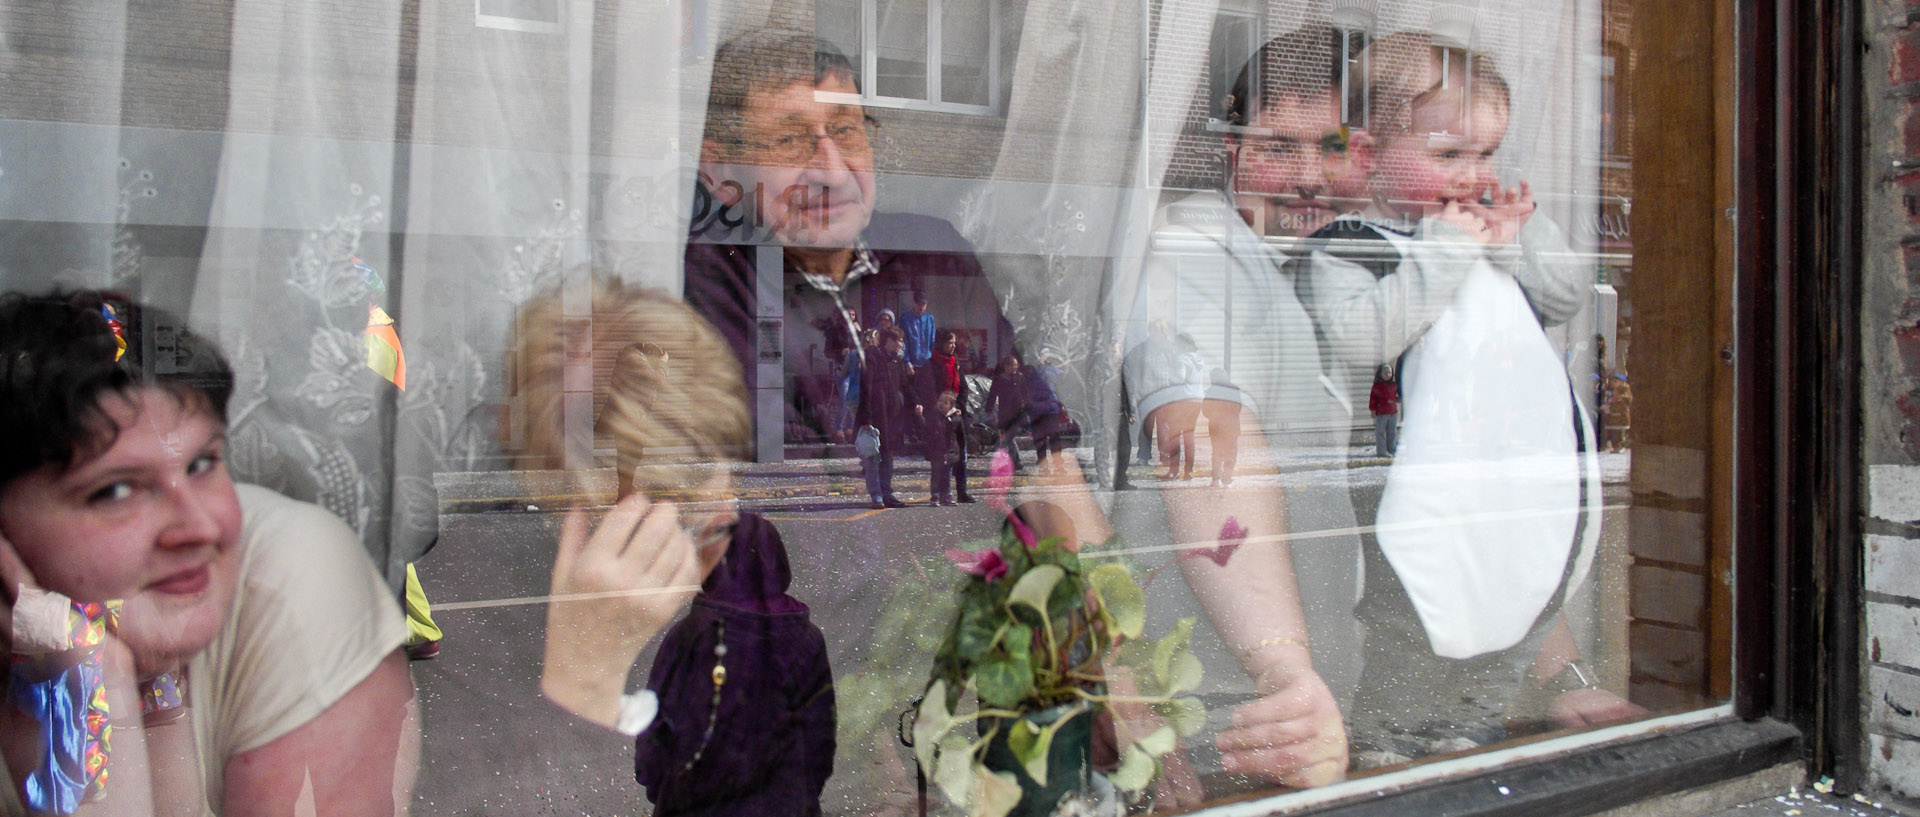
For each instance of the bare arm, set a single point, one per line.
(22, 736)
(1293, 733)
(359, 756)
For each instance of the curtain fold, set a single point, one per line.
(299, 250)
(416, 166)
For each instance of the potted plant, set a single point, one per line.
(1037, 637)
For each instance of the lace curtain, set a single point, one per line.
(283, 172)
(442, 171)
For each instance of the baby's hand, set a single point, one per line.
(1466, 219)
(1508, 213)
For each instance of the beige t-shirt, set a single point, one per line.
(310, 620)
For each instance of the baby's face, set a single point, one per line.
(1446, 156)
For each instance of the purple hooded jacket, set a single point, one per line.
(772, 745)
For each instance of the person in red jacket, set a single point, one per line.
(1384, 402)
(946, 445)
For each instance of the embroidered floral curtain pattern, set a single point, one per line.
(438, 172)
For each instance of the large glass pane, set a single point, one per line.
(1350, 370)
(966, 38)
(838, 22)
(901, 48)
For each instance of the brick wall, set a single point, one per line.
(1890, 331)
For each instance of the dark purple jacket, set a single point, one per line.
(887, 399)
(772, 745)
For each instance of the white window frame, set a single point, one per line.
(1242, 11)
(870, 64)
(481, 19)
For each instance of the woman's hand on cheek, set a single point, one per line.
(31, 619)
(612, 590)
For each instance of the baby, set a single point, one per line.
(1483, 528)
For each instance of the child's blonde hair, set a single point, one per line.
(666, 386)
(1408, 71)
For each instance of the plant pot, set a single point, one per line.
(1068, 757)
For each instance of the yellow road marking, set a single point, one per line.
(854, 518)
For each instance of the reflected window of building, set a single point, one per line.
(1236, 34)
(927, 54)
(531, 16)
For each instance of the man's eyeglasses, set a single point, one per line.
(798, 144)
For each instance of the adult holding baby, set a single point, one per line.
(1488, 521)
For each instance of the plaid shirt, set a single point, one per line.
(863, 266)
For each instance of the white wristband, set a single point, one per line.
(637, 711)
(40, 622)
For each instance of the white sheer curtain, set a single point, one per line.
(467, 166)
(1102, 91)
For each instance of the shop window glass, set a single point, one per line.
(1364, 356)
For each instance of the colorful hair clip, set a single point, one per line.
(119, 331)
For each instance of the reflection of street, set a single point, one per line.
(490, 747)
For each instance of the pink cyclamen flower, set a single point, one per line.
(1021, 530)
(986, 564)
(999, 480)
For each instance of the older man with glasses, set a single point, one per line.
(787, 162)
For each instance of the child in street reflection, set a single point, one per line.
(254, 661)
(741, 686)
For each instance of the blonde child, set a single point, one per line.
(1484, 527)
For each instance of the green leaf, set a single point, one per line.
(994, 793)
(1021, 734)
(1019, 641)
(1187, 715)
(1069, 559)
(1137, 769)
(1137, 654)
(974, 633)
(932, 724)
(1018, 557)
(1067, 596)
(1159, 743)
(1186, 674)
(1003, 682)
(1040, 744)
(1032, 589)
(954, 774)
(1174, 642)
(1120, 597)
